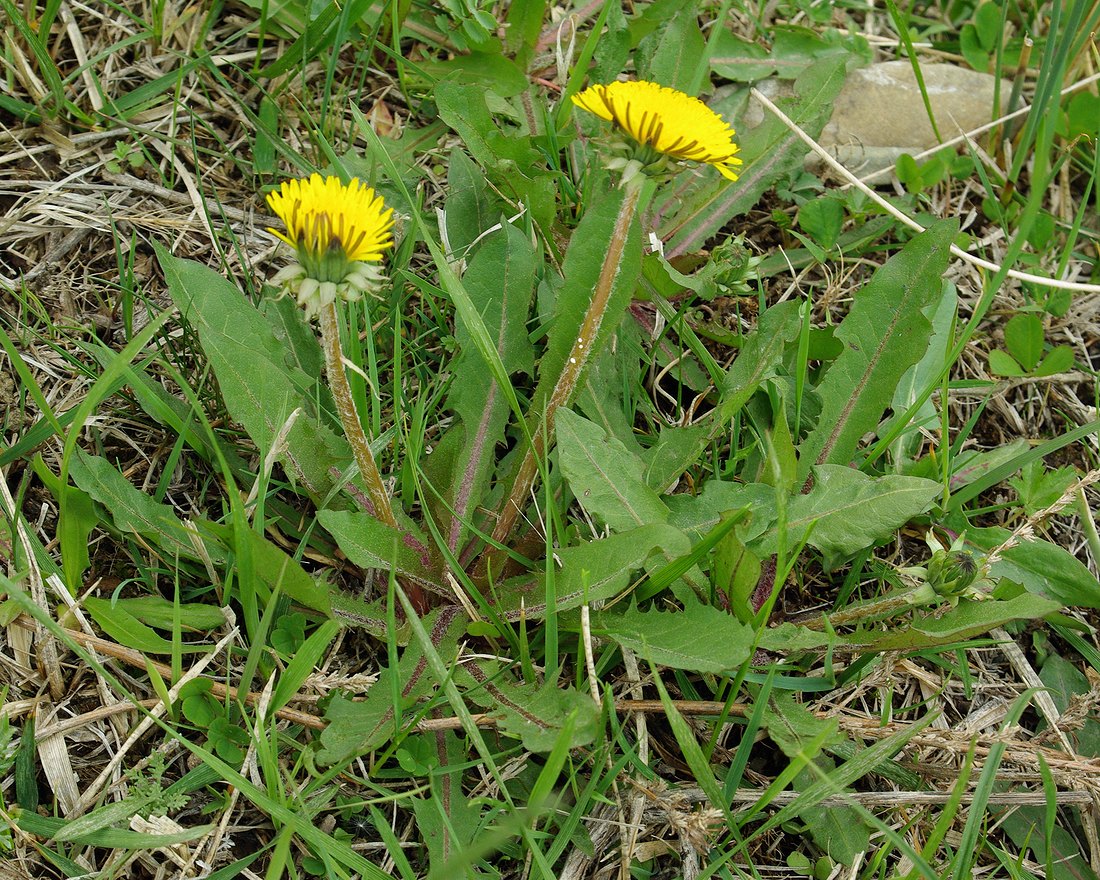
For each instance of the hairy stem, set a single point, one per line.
(353, 429)
(542, 428)
(886, 606)
(349, 417)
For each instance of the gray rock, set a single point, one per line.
(880, 113)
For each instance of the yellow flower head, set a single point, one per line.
(665, 121)
(322, 214)
(337, 230)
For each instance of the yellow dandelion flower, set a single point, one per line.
(322, 214)
(337, 231)
(665, 121)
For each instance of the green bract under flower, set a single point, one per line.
(664, 122)
(338, 232)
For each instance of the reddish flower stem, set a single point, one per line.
(574, 367)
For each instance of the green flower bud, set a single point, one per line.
(733, 265)
(952, 572)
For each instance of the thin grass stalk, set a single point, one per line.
(575, 364)
(1088, 524)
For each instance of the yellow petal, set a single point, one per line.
(668, 120)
